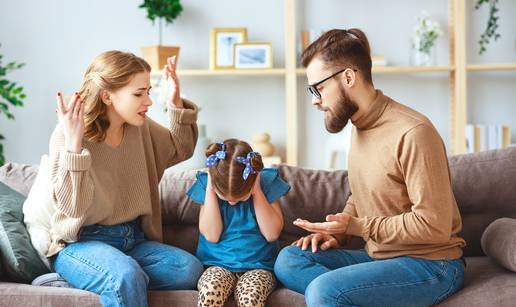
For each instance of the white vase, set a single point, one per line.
(420, 58)
(199, 157)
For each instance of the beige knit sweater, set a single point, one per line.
(402, 200)
(107, 185)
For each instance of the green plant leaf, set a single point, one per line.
(492, 24)
(166, 9)
(10, 93)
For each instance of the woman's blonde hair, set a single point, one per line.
(109, 71)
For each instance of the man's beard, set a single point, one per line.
(337, 117)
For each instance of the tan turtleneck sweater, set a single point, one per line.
(401, 197)
(108, 186)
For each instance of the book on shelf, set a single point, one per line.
(308, 37)
(487, 137)
(305, 39)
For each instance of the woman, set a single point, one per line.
(107, 159)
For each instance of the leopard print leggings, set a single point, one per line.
(251, 288)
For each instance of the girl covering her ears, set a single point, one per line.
(239, 222)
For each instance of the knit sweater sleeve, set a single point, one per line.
(177, 143)
(71, 179)
(423, 161)
(351, 210)
(350, 207)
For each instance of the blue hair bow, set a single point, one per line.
(219, 155)
(247, 161)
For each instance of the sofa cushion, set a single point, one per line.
(2, 273)
(19, 258)
(313, 195)
(485, 284)
(12, 294)
(38, 209)
(499, 242)
(484, 187)
(19, 177)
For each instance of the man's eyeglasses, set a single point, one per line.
(312, 88)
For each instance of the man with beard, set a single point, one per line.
(401, 200)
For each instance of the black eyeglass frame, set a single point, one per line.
(312, 88)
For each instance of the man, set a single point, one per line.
(401, 200)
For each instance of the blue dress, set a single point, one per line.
(241, 247)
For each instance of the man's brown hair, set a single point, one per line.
(344, 48)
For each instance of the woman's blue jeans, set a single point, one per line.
(339, 277)
(119, 264)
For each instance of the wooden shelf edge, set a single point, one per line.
(227, 72)
(401, 69)
(490, 67)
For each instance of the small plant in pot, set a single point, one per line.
(165, 11)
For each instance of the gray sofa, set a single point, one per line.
(484, 185)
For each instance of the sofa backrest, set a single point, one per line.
(484, 185)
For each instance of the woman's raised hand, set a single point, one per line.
(172, 83)
(71, 118)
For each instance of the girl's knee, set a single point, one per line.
(215, 286)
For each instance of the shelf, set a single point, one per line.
(228, 72)
(456, 71)
(400, 69)
(411, 69)
(490, 67)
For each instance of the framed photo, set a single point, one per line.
(253, 55)
(222, 46)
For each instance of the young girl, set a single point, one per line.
(239, 223)
(107, 159)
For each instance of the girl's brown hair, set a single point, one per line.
(346, 48)
(109, 71)
(227, 174)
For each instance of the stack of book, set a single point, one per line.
(487, 137)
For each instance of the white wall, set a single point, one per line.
(58, 39)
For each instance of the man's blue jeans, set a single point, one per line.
(339, 277)
(118, 263)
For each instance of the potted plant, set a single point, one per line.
(163, 10)
(10, 95)
(426, 33)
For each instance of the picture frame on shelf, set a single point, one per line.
(222, 41)
(253, 55)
